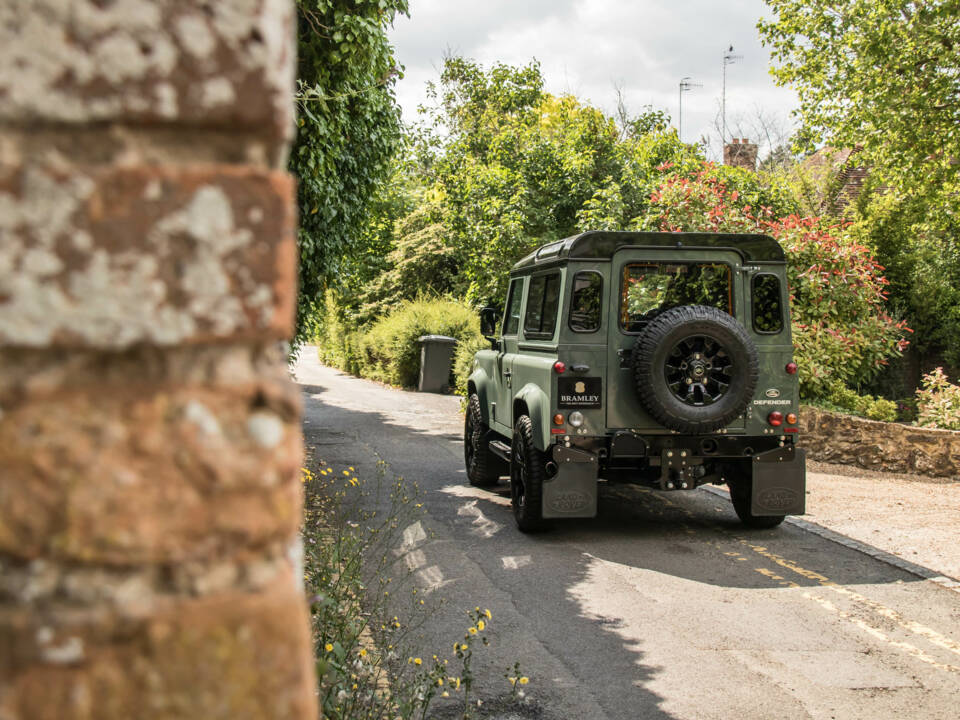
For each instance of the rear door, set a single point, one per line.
(644, 282)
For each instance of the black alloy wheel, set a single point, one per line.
(527, 473)
(698, 370)
(483, 467)
(695, 369)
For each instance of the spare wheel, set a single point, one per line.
(695, 369)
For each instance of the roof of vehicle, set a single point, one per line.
(600, 245)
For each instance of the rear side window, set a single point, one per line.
(585, 301)
(511, 319)
(767, 304)
(543, 301)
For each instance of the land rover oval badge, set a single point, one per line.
(772, 393)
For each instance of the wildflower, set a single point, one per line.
(351, 469)
(513, 680)
(362, 653)
(444, 694)
(417, 661)
(524, 680)
(472, 630)
(487, 613)
(457, 681)
(481, 625)
(328, 647)
(346, 472)
(439, 682)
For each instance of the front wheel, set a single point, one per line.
(527, 473)
(740, 483)
(483, 467)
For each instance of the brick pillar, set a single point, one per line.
(149, 434)
(740, 153)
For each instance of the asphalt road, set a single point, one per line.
(661, 607)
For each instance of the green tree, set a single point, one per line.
(349, 130)
(882, 74)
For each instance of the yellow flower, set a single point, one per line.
(457, 681)
(417, 661)
(513, 681)
(472, 631)
(363, 653)
(328, 647)
(351, 469)
(439, 682)
(445, 694)
(524, 680)
(346, 472)
(481, 625)
(487, 613)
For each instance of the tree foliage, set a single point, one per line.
(884, 74)
(348, 131)
(883, 77)
(842, 331)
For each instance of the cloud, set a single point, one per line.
(589, 47)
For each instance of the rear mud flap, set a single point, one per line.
(779, 482)
(572, 492)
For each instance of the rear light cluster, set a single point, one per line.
(776, 419)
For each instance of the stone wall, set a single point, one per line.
(890, 447)
(149, 433)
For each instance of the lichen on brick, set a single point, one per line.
(149, 61)
(111, 258)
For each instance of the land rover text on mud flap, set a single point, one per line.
(663, 359)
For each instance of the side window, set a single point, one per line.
(585, 302)
(767, 304)
(511, 319)
(543, 301)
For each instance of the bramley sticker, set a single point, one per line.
(772, 402)
(579, 392)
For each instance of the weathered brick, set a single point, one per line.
(103, 257)
(231, 655)
(121, 473)
(202, 63)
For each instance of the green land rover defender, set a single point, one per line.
(662, 359)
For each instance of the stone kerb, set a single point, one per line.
(149, 434)
(889, 447)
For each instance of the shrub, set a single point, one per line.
(390, 351)
(463, 361)
(840, 397)
(938, 402)
(336, 335)
(841, 329)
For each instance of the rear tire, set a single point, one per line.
(483, 467)
(527, 473)
(740, 483)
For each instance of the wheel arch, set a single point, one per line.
(533, 402)
(479, 383)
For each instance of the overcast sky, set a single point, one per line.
(589, 47)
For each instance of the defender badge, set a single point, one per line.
(772, 393)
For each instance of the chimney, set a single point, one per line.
(740, 152)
